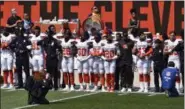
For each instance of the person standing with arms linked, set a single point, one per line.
(52, 49)
(158, 59)
(125, 47)
(22, 47)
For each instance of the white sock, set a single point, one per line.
(146, 85)
(87, 85)
(178, 86)
(141, 85)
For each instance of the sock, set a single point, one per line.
(11, 76)
(5, 77)
(108, 80)
(80, 78)
(141, 80)
(86, 78)
(177, 79)
(87, 86)
(66, 78)
(102, 79)
(92, 77)
(33, 73)
(95, 79)
(146, 79)
(112, 81)
(71, 77)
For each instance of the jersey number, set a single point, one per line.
(66, 51)
(109, 54)
(82, 52)
(35, 46)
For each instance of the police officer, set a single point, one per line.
(117, 73)
(158, 60)
(52, 48)
(21, 46)
(125, 46)
(38, 88)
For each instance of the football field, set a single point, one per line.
(17, 99)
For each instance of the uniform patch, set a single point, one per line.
(124, 46)
(168, 74)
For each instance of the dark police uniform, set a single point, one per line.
(12, 20)
(19, 46)
(52, 48)
(125, 47)
(37, 90)
(158, 60)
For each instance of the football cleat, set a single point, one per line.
(87, 88)
(103, 90)
(94, 89)
(72, 88)
(11, 86)
(4, 86)
(146, 91)
(123, 89)
(129, 90)
(140, 90)
(111, 90)
(66, 88)
(81, 88)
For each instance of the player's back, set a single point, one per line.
(168, 77)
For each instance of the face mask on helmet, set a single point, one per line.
(142, 37)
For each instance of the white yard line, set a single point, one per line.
(52, 101)
(67, 92)
(152, 95)
(123, 94)
(11, 90)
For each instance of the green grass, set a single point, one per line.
(14, 99)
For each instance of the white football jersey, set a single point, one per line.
(169, 46)
(97, 47)
(141, 47)
(5, 41)
(36, 49)
(109, 50)
(66, 47)
(58, 36)
(83, 49)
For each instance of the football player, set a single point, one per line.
(96, 52)
(67, 60)
(170, 44)
(82, 57)
(37, 59)
(143, 52)
(6, 59)
(110, 54)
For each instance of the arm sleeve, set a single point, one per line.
(12, 44)
(178, 47)
(8, 21)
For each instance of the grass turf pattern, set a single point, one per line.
(18, 98)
